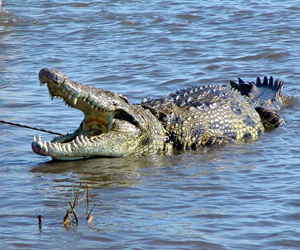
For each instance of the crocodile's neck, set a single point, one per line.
(153, 136)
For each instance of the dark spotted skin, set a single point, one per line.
(205, 115)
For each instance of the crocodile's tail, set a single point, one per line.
(269, 118)
(263, 93)
(265, 96)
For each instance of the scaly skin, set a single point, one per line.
(206, 115)
(188, 119)
(111, 126)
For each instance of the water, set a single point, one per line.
(242, 196)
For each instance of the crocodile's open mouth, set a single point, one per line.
(104, 113)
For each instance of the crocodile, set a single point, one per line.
(187, 119)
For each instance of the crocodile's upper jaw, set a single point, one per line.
(106, 114)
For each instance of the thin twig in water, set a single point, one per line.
(40, 222)
(73, 211)
(90, 217)
(91, 211)
(74, 201)
(67, 218)
(87, 195)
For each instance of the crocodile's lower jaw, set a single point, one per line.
(72, 150)
(46, 149)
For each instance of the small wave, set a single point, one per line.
(264, 55)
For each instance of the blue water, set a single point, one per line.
(241, 196)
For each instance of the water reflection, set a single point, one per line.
(98, 172)
(114, 172)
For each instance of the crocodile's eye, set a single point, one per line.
(123, 98)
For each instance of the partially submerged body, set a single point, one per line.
(188, 119)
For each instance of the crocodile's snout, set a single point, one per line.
(48, 75)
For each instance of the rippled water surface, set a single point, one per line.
(241, 196)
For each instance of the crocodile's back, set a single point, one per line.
(205, 115)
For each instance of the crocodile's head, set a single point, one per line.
(111, 126)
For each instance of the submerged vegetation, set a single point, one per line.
(71, 217)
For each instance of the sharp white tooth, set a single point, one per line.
(82, 139)
(88, 140)
(34, 138)
(55, 146)
(39, 139)
(70, 96)
(92, 106)
(68, 147)
(77, 141)
(74, 100)
(51, 96)
(45, 146)
(74, 146)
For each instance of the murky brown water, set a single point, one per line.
(242, 196)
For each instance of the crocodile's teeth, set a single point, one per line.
(77, 141)
(74, 146)
(45, 146)
(51, 96)
(56, 146)
(74, 100)
(83, 139)
(34, 138)
(68, 147)
(39, 139)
